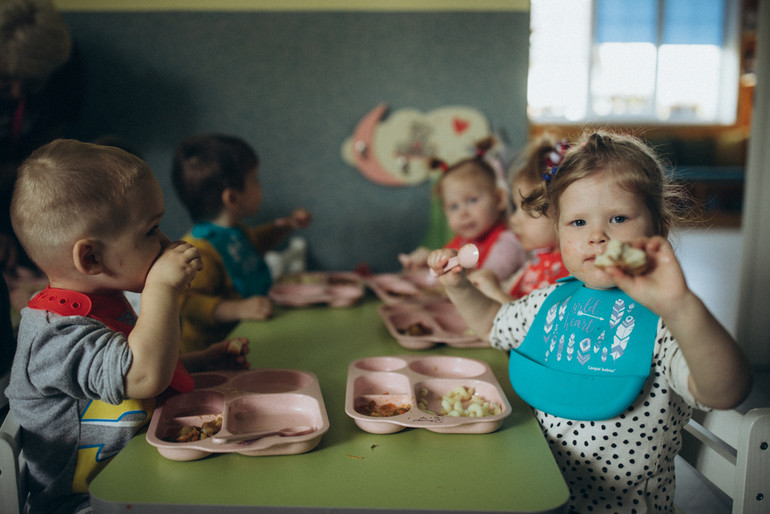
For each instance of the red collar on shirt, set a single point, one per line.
(111, 309)
(483, 243)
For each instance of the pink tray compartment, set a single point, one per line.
(410, 379)
(337, 289)
(441, 317)
(248, 401)
(407, 286)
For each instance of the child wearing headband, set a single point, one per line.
(612, 363)
(475, 208)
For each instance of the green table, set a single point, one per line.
(350, 470)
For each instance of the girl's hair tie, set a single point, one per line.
(555, 156)
(550, 173)
(436, 163)
(483, 146)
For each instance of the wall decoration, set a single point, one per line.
(396, 151)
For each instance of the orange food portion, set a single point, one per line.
(416, 329)
(188, 434)
(385, 410)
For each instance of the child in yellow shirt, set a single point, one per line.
(216, 178)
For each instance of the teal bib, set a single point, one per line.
(245, 266)
(587, 353)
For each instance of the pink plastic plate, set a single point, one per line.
(424, 325)
(248, 401)
(337, 289)
(420, 383)
(410, 286)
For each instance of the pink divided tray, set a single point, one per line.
(417, 326)
(337, 289)
(417, 382)
(406, 286)
(248, 401)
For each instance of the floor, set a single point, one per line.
(702, 252)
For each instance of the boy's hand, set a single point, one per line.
(252, 308)
(176, 266)
(663, 287)
(300, 218)
(256, 307)
(227, 354)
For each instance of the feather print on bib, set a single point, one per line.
(549, 319)
(561, 347)
(584, 351)
(571, 347)
(622, 334)
(617, 312)
(599, 341)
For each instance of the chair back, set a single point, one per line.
(732, 451)
(12, 486)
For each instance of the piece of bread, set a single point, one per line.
(234, 346)
(630, 260)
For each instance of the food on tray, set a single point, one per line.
(302, 278)
(190, 433)
(461, 402)
(416, 329)
(385, 410)
(629, 259)
(336, 280)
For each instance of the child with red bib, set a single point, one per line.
(475, 208)
(536, 232)
(87, 368)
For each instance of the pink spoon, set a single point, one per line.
(467, 257)
(251, 436)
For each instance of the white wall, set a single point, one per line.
(754, 304)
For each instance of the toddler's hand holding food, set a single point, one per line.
(662, 286)
(629, 259)
(227, 354)
(176, 266)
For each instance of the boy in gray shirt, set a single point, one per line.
(87, 369)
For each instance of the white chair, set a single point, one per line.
(12, 486)
(732, 451)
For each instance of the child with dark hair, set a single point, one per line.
(216, 178)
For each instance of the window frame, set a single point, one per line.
(731, 93)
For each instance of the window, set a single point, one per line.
(643, 61)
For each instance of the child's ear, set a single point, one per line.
(87, 257)
(229, 198)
